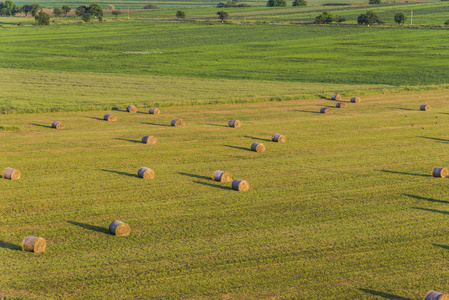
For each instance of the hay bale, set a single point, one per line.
(149, 140)
(234, 123)
(278, 138)
(154, 111)
(340, 105)
(325, 110)
(355, 100)
(425, 107)
(240, 185)
(440, 172)
(336, 97)
(58, 125)
(10, 173)
(177, 122)
(146, 173)
(118, 228)
(34, 244)
(433, 295)
(222, 176)
(110, 117)
(258, 147)
(132, 109)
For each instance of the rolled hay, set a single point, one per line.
(355, 100)
(234, 123)
(177, 122)
(11, 173)
(132, 109)
(278, 138)
(58, 125)
(440, 172)
(146, 173)
(325, 110)
(154, 111)
(340, 105)
(240, 185)
(336, 97)
(222, 176)
(110, 117)
(433, 295)
(149, 140)
(424, 107)
(118, 228)
(34, 244)
(258, 147)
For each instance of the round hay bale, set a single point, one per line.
(34, 244)
(340, 105)
(146, 173)
(10, 173)
(433, 295)
(110, 117)
(177, 122)
(278, 138)
(132, 109)
(118, 228)
(336, 97)
(154, 111)
(355, 100)
(440, 172)
(234, 123)
(325, 110)
(240, 185)
(149, 140)
(425, 107)
(258, 147)
(222, 176)
(58, 125)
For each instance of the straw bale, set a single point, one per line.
(34, 244)
(336, 97)
(340, 105)
(425, 107)
(58, 125)
(154, 111)
(325, 110)
(131, 109)
(149, 140)
(240, 185)
(10, 173)
(222, 176)
(118, 228)
(234, 123)
(110, 117)
(146, 173)
(355, 100)
(433, 295)
(279, 138)
(440, 172)
(258, 147)
(177, 122)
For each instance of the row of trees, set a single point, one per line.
(275, 3)
(367, 18)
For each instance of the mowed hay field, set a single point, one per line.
(346, 208)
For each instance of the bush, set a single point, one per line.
(399, 18)
(337, 4)
(274, 3)
(446, 23)
(232, 3)
(299, 3)
(150, 6)
(86, 17)
(325, 18)
(369, 18)
(42, 18)
(374, 2)
(180, 15)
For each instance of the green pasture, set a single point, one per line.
(346, 208)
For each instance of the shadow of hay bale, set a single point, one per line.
(90, 227)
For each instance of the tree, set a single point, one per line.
(222, 15)
(339, 19)
(400, 18)
(273, 3)
(86, 17)
(66, 10)
(42, 18)
(369, 18)
(57, 12)
(26, 8)
(116, 13)
(374, 2)
(299, 3)
(35, 9)
(9, 8)
(95, 10)
(446, 23)
(325, 18)
(111, 7)
(150, 6)
(180, 15)
(80, 10)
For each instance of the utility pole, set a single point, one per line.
(411, 17)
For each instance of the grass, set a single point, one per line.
(346, 208)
